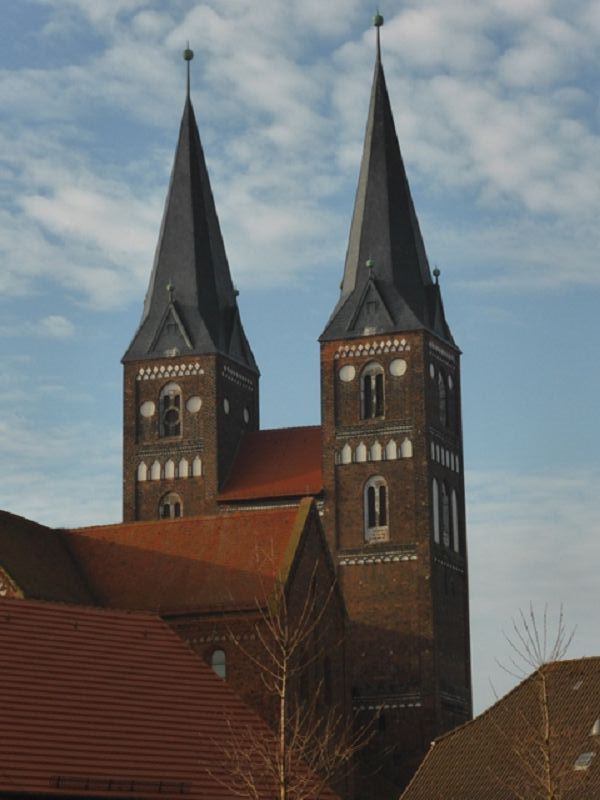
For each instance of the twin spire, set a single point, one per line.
(387, 285)
(191, 305)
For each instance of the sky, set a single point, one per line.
(497, 112)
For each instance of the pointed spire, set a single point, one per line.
(191, 305)
(385, 233)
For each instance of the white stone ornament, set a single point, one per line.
(147, 409)
(347, 373)
(398, 367)
(246, 416)
(194, 404)
(226, 405)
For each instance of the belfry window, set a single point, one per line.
(371, 389)
(170, 410)
(376, 510)
(170, 506)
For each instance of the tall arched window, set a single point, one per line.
(371, 391)
(218, 662)
(455, 531)
(445, 516)
(170, 410)
(170, 506)
(376, 510)
(435, 502)
(442, 399)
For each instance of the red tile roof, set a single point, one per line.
(110, 704)
(37, 561)
(192, 564)
(500, 755)
(285, 462)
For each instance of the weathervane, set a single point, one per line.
(187, 57)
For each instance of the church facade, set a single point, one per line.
(385, 465)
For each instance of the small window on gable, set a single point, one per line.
(170, 410)
(218, 662)
(170, 506)
(376, 510)
(371, 391)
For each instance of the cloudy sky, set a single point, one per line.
(496, 105)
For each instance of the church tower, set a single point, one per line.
(190, 379)
(394, 508)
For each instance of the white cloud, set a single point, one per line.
(532, 538)
(56, 327)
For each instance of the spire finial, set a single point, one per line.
(436, 274)
(378, 22)
(187, 57)
(171, 290)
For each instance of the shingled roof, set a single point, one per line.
(500, 755)
(196, 564)
(282, 462)
(99, 703)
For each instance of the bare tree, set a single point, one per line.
(312, 742)
(541, 773)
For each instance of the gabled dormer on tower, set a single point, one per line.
(393, 471)
(191, 381)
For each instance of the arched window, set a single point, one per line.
(142, 471)
(170, 410)
(218, 662)
(376, 510)
(445, 516)
(170, 506)
(371, 391)
(435, 502)
(442, 399)
(455, 531)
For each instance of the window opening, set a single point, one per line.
(170, 410)
(445, 516)
(218, 662)
(376, 510)
(372, 389)
(442, 399)
(170, 506)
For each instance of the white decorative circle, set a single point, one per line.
(194, 404)
(347, 373)
(398, 367)
(246, 416)
(226, 405)
(431, 371)
(147, 409)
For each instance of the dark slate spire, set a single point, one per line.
(190, 306)
(387, 285)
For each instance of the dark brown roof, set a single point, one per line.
(110, 704)
(193, 564)
(500, 754)
(38, 562)
(284, 462)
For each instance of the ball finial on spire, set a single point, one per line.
(378, 20)
(187, 53)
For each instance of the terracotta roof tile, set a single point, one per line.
(284, 462)
(223, 561)
(500, 754)
(111, 704)
(36, 559)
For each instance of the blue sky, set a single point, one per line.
(497, 112)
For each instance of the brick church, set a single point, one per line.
(371, 499)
